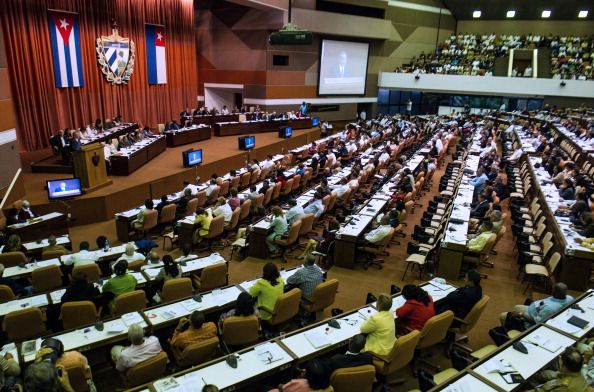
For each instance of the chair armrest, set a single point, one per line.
(461, 320)
(262, 307)
(379, 357)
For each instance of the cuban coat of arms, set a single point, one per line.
(116, 57)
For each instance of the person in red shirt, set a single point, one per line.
(415, 312)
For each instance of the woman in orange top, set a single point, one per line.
(417, 309)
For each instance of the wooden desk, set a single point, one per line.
(212, 120)
(111, 133)
(259, 126)
(54, 223)
(187, 135)
(124, 165)
(35, 248)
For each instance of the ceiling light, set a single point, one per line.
(510, 13)
(583, 14)
(546, 13)
(476, 14)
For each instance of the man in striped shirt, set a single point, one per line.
(307, 278)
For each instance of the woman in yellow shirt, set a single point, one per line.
(202, 224)
(267, 290)
(380, 328)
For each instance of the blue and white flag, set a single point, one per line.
(65, 40)
(155, 54)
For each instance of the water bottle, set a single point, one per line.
(106, 246)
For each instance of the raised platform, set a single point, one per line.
(164, 174)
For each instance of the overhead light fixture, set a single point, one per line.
(476, 13)
(583, 14)
(510, 13)
(546, 14)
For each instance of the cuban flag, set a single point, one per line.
(155, 54)
(65, 40)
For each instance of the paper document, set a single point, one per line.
(317, 339)
(116, 327)
(132, 318)
(497, 366)
(563, 325)
(546, 343)
(269, 353)
(191, 305)
(460, 386)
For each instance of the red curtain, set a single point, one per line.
(42, 108)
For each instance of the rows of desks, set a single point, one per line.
(132, 158)
(257, 362)
(544, 342)
(192, 134)
(42, 226)
(212, 120)
(111, 133)
(258, 126)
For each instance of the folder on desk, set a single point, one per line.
(578, 322)
(318, 339)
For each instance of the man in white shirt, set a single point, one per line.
(528, 72)
(438, 143)
(341, 188)
(513, 158)
(384, 157)
(294, 213)
(268, 164)
(354, 182)
(82, 257)
(212, 185)
(223, 208)
(131, 255)
(139, 351)
(331, 159)
(376, 235)
(316, 206)
(224, 110)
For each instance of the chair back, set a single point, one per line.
(244, 208)
(553, 263)
(6, 293)
(151, 218)
(268, 195)
(77, 377)
(287, 188)
(52, 254)
(92, 271)
(240, 330)
(408, 206)
(286, 307)
(177, 288)
(296, 182)
(201, 196)
(357, 378)
(130, 302)
(323, 295)
(147, 370)
(245, 180)
(235, 182)
(214, 195)
(234, 219)
(402, 353)
(255, 176)
(167, 214)
(276, 191)
(306, 177)
(46, 278)
(293, 235)
(307, 222)
(259, 201)
(78, 313)
(217, 227)
(197, 353)
(191, 207)
(224, 188)
(474, 315)
(12, 259)
(435, 329)
(214, 276)
(24, 324)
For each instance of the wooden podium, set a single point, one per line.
(89, 166)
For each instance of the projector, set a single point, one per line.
(291, 34)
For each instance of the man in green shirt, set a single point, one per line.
(121, 283)
(569, 377)
(478, 243)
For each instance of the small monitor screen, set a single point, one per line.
(247, 142)
(192, 157)
(315, 122)
(63, 188)
(285, 132)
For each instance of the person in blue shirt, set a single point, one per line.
(479, 181)
(540, 310)
(303, 108)
(300, 169)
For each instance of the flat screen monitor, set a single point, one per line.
(192, 157)
(247, 142)
(285, 132)
(315, 121)
(63, 188)
(343, 67)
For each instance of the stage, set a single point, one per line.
(164, 174)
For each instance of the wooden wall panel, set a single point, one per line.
(7, 117)
(4, 84)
